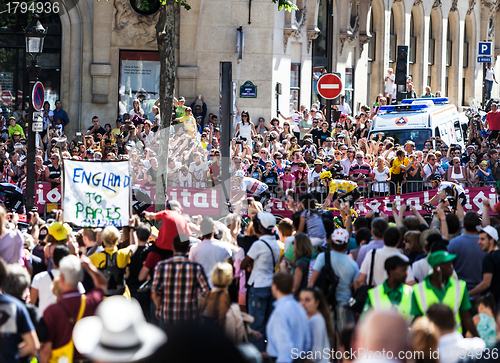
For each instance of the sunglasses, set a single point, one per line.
(288, 169)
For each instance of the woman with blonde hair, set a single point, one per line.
(424, 339)
(221, 311)
(113, 261)
(303, 253)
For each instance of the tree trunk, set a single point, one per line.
(165, 36)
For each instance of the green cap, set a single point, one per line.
(439, 257)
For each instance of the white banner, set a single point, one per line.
(96, 194)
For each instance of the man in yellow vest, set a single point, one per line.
(393, 293)
(438, 287)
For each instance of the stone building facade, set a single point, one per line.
(103, 54)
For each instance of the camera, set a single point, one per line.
(272, 137)
(243, 138)
(239, 142)
(78, 134)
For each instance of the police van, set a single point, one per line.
(418, 120)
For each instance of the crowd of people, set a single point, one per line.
(297, 289)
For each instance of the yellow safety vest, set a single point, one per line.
(426, 298)
(380, 300)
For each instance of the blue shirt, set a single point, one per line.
(363, 250)
(62, 114)
(17, 323)
(287, 330)
(469, 261)
(346, 270)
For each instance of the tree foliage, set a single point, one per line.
(282, 4)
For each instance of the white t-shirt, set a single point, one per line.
(263, 269)
(253, 186)
(197, 171)
(379, 272)
(185, 181)
(489, 74)
(319, 338)
(208, 253)
(446, 184)
(43, 283)
(389, 84)
(453, 345)
(296, 119)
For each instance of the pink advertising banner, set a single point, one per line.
(207, 201)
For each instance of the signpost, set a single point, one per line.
(484, 52)
(248, 90)
(37, 122)
(6, 97)
(329, 86)
(38, 96)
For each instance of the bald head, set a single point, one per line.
(382, 330)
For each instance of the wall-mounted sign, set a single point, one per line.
(248, 90)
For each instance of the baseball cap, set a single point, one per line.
(267, 220)
(58, 231)
(390, 70)
(439, 257)
(44, 231)
(470, 147)
(318, 162)
(12, 118)
(490, 231)
(340, 236)
(16, 133)
(182, 99)
(392, 262)
(484, 162)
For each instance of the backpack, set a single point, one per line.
(115, 276)
(328, 281)
(311, 261)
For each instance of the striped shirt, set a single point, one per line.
(179, 280)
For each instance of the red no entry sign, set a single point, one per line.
(6, 97)
(329, 86)
(38, 96)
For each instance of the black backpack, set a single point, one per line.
(115, 276)
(328, 281)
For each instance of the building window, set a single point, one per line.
(349, 86)
(449, 47)
(14, 84)
(466, 47)
(372, 45)
(392, 40)
(139, 79)
(294, 86)
(432, 43)
(145, 7)
(413, 42)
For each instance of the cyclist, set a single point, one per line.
(341, 191)
(257, 189)
(13, 197)
(452, 189)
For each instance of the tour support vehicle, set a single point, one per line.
(418, 120)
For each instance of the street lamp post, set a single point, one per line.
(34, 34)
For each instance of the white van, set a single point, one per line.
(418, 120)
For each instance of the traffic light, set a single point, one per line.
(401, 72)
